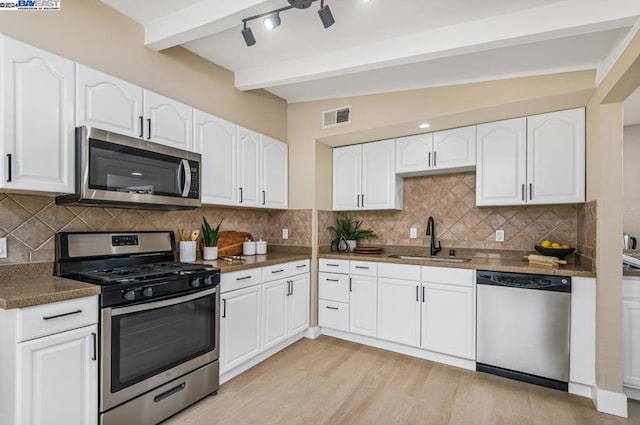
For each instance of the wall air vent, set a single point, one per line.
(337, 116)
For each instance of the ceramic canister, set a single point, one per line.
(249, 248)
(261, 247)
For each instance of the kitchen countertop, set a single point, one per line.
(496, 263)
(26, 292)
(631, 272)
(253, 261)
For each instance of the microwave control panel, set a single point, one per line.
(194, 191)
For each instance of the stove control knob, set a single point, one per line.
(129, 295)
(208, 280)
(196, 282)
(147, 292)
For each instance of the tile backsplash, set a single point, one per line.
(29, 223)
(587, 220)
(451, 200)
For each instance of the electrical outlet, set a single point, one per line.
(3, 247)
(500, 235)
(413, 233)
(285, 233)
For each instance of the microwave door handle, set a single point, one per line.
(186, 185)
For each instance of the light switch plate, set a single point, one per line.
(413, 233)
(500, 235)
(3, 247)
(285, 233)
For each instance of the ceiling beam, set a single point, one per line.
(202, 19)
(557, 20)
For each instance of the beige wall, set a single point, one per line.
(631, 223)
(89, 32)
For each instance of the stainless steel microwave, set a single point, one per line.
(126, 172)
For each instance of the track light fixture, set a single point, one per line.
(272, 18)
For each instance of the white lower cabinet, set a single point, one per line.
(58, 379)
(399, 311)
(631, 337)
(363, 295)
(240, 326)
(285, 309)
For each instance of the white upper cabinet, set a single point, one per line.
(248, 167)
(502, 163)
(168, 121)
(556, 157)
(217, 141)
(453, 149)
(38, 129)
(547, 166)
(275, 176)
(364, 177)
(108, 103)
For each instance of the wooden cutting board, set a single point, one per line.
(230, 242)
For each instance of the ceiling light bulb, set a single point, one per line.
(424, 125)
(272, 21)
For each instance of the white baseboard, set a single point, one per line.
(402, 349)
(610, 402)
(232, 373)
(633, 393)
(580, 389)
(313, 333)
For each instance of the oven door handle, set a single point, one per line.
(118, 311)
(186, 183)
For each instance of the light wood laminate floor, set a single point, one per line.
(330, 381)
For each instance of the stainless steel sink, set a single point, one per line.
(428, 258)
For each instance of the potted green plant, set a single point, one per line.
(210, 238)
(349, 229)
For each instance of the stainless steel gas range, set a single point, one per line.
(159, 322)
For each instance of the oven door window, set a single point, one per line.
(149, 342)
(120, 168)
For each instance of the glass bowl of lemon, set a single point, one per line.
(554, 249)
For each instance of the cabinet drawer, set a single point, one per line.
(275, 272)
(333, 315)
(240, 279)
(299, 267)
(49, 319)
(399, 271)
(448, 276)
(334, 287)
(363, 268)
(333, 266)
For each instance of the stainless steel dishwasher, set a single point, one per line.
(523, 327)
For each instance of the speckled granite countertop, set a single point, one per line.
(253, 261)
(510, 262)
(26, 285)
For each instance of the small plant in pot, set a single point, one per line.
(348, 229)
(210, 238)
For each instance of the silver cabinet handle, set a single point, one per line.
(264, 197)
(332, 308)
(434, 159)
(358, 200)
(244, 277)
(429, 159)
(523, 191)
(9, 163)
(423, 294)
(94, 341)
(149, 128)
(240, 195)
(363, 200)
(141, 126)
(332, 280)
(531, 191)
(61, 315)
(418, 293)
(350, 284)
(277, 271)
(332, 265)
(362, 267)
(301, 266)
(224, 308)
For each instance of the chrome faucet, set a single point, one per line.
(431, 231)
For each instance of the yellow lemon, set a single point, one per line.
(555, 245)
(565, 246)
(545, 243)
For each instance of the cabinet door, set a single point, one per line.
(399, 311)
(107, 102)
(631, 340)
(248, 167)
(168, 121)
(378, 175)
(38, 132)
(448, 324)
(347, 175)
(363, 303)
(275, 178)
(413, 153)
(57, 380)
(298, 304)
(240, 326)
(501, 172)
(555, 157)
(217, 141)
(455, 148)
(274, 312)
